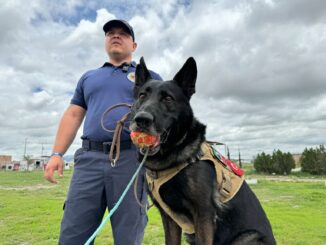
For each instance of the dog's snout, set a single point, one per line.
(144, 119)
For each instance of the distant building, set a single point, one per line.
(296, 157)
(16, 165)
(39, 163)
(4, 160)
(23, 165)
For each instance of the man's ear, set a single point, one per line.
(134, 46)
(186, 77)
(141, 77)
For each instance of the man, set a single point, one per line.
(96, 184)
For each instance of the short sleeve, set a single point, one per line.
(78, 98)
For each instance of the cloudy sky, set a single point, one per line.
(262, 66)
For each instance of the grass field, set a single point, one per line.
(31, 210)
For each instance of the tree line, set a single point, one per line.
(312, 160)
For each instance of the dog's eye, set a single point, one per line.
(168, 99)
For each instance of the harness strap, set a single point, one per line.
(228, 183)
(155, 179)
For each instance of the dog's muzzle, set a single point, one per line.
(144, 122)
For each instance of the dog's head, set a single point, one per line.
(162, 108)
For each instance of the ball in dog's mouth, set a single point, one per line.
(145, 141)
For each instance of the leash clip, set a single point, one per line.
(113, 162)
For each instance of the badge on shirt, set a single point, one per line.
(131, 77)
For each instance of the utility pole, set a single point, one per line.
(25, 148)
(25, 159)
(42, 149)
(240, 164)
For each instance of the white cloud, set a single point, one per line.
(261, 66)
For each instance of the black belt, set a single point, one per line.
(90, 145)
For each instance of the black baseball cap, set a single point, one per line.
(119, 23)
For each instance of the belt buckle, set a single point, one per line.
(106, 147)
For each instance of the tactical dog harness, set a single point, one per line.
(229, 179)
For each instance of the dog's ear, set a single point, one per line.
(186, 77)
(142, 76)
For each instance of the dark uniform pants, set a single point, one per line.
(95, 186)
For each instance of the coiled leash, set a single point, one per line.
(115, 144)
(112, 211)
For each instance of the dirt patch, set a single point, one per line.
(27, 188)
(289, 179)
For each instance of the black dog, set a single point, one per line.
(192, 196)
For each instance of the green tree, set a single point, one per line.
(314, 160)
(263, 163)
(279, 163)
(282, 162)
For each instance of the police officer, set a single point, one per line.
(96, 184)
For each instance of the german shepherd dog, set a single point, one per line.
(162, 108)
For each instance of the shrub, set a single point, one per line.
(263, 163)
(314, 160)
(282, 162)
(279, 163)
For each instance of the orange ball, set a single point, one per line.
(143, 140)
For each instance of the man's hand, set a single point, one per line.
(55, 163)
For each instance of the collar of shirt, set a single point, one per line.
(133, 63)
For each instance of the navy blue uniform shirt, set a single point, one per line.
(99, 89)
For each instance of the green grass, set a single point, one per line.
(31, 213)
(297, 211)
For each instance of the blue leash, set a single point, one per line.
(112, 211)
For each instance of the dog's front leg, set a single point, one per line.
(204, 229)
(172, 230)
